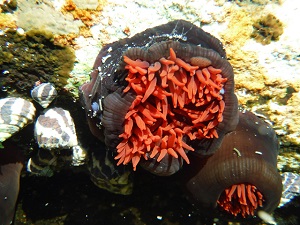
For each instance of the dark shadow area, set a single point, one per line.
(74, 199)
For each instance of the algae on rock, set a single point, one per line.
(266, 29)
(26, 59)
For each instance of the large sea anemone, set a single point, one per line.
(153, 95)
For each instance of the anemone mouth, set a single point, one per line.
(241, 199)
(175, 102)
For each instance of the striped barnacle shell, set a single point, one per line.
(55, 130)
(15, 113)
(44, 94)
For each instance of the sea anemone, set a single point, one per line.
(241, 177)
(153, 94)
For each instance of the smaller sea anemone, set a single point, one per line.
(241, 177)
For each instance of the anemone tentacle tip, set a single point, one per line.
(241, 199)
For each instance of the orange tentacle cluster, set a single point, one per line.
(241, 199)
(173, 99)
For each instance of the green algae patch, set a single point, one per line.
(266, 29)
(33, 57)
